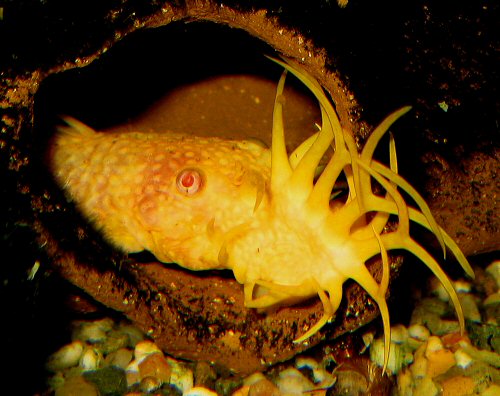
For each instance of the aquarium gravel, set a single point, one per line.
(428, 357)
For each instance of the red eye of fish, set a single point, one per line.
(189, 181)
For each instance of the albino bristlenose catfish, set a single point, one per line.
(267, 215)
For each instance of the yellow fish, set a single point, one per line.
(267, 215)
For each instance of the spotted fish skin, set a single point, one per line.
(126, 184)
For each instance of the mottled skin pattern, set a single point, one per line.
(126, 183)
(271, 217)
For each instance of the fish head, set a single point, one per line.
(174, 195)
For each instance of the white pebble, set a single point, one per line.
(145, 348)
(90, 360)
(494, 271)
(464, 343)
(463, 359)
(120, 358)
(149, 384)
(319, 375)
(462, 286)
(368, 338)
(292, 382)
(419, 332)
(470, 308)
(323, 379)
(181, 376)
(306, 362)
(67, 356)
(437, 288)
(434, 344)
(92, 332)
(399, 334)
(134, 334)
(397, 356)
(253, 379)
(492, 299)
(133, 366)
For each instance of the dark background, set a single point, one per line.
(389, 53)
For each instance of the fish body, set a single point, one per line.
(267, 215)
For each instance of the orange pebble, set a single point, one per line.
(458, 386)
(133, 377)
(264, 387)
(243, 391)
(452, 340)
(439, 362)
(156, 366)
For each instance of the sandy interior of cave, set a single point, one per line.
(231, 106)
